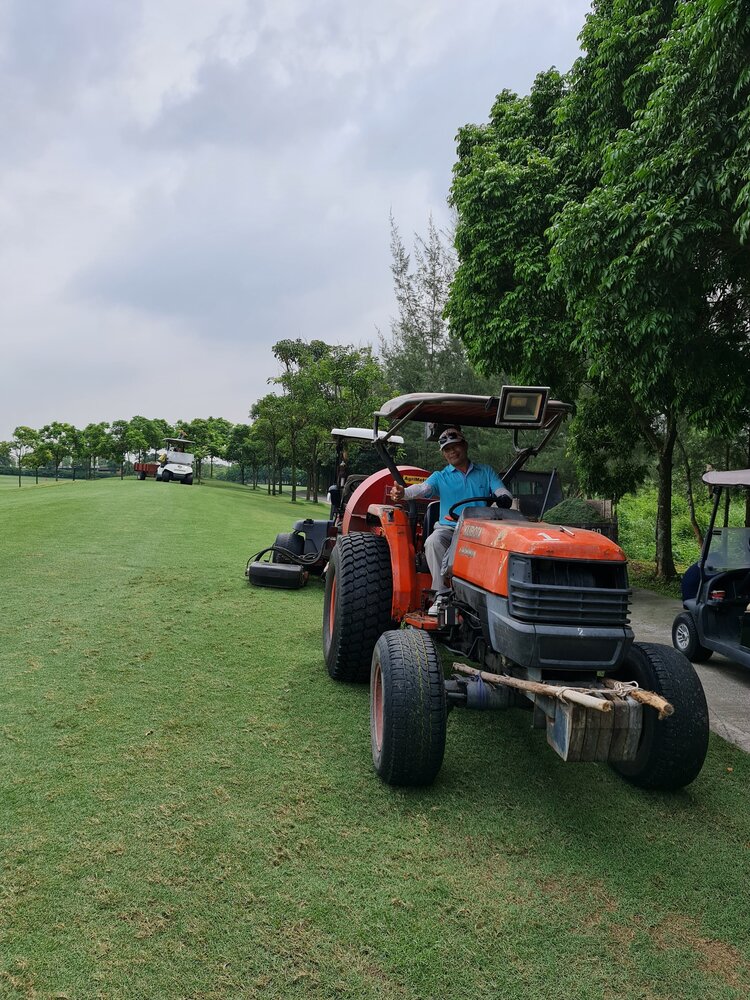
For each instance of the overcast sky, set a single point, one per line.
(185, 182)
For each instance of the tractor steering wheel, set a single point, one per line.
(502, 501)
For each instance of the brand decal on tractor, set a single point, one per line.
(472, 531)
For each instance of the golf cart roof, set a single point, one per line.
(179, 441)
(732, 477)
(470, 411)
(362, 434)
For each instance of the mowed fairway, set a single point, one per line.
(188, 807)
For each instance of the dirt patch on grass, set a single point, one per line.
(717, 958)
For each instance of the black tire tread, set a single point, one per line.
(414, 709)
(290, 541)
(672, 750)
(361, 564)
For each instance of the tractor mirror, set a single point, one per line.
(522, 406)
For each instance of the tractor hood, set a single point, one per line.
(483, 547)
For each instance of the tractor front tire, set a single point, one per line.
(671, 752)
(408, 712)
(292, 543)
(357, 604)
(685, 638)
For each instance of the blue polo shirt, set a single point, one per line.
(452, 486)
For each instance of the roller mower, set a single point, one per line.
(306, 549)
(540, 611)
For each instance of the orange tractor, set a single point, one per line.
(540, 610)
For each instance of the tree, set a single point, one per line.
(25, 439)
(600, 231)
(661, 295)
(60, 439)
(219, 430)
(244, 449)
(268, 416)
(118, 443)
(94, 443)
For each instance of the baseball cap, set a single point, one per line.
(451, 435)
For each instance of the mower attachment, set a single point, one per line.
(283, 575)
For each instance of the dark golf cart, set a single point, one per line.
(716, 591)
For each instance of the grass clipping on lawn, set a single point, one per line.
(189, 808)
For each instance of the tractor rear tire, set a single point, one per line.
(685, 638)
(288, 540)
(357, 604)
(408, 711)
(671, 751)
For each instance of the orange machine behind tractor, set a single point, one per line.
(540, 609)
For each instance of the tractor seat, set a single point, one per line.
(431, 516)
(350, 485)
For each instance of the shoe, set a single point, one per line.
(440, 601)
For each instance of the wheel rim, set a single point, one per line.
(377, 708)
(682, 636)
(332, 607)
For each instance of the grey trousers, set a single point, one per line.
(435, 549)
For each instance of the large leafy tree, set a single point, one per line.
(244, 449)
(219, 431)
(661, 294)
(268, 416)
(25, 440)
(60, 439)
(601, 228)
(94, 443)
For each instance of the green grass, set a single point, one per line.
(188, 807)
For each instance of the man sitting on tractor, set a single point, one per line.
(459, 480)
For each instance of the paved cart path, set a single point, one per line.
(726, 683)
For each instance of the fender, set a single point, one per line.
(374, 490)
(408, 584)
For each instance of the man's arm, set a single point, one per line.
(499, 489)
(417, 491)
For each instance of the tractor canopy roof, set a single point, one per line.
(516, 407)
(732, 477)
(362, 434)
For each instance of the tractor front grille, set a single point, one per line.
(568, 592)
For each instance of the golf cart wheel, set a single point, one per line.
(357, 604)
(188, 480)
(166, 476)
(292, 543)
(671, 751)
(685, 638)
(407, 708)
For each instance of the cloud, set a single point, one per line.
(215, 177)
